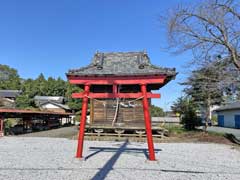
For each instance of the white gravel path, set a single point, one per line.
(51, 158)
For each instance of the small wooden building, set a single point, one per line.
(119, 85)
(120, 112)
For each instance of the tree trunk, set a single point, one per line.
(234, 56)
(208, 113)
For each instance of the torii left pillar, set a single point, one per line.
(1, 126)
(83, 122)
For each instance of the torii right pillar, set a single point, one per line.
(147, 119)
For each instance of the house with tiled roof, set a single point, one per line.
(52, 103)
(8, 97)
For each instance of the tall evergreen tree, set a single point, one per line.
(9, 78)
(187, 108)
(74, 104)
(156, 111)
(203, 86)
(40, 85)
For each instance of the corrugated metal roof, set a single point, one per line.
(10, 93)
(121, 63)
(63, 106)
(31, 112)
(42, 99)
(232, 106)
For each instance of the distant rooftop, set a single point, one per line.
(63, 106)
(42, 99)
(120, 64)
(10, 93)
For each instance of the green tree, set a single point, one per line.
(23, 101)
(9, 78)
(61, 87)
(156, 111)
(203, 86)
(187, 109)
(29, 90)
(74, 104)
(40, 85)
(179, 106)
(55, 87)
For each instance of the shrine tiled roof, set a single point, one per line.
(121, 64)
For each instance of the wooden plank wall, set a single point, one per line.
(103, 111)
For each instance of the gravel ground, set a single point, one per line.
(63, 132)
(53, 158)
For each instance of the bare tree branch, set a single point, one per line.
(207, 28)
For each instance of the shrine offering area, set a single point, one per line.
(53, 158)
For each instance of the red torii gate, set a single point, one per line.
(143, 81)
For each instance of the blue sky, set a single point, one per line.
(52, 36)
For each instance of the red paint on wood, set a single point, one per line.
(112, 95)
(82, 123)
(117, 80)
(116, 77)
(148, 123)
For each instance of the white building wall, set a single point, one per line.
(212, 110)
(166, 119)
(229, 117)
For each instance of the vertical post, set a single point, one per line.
(115, 89)
(82, 122)
(147, 123)
(1, 126)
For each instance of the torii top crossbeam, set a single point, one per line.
(119, 69)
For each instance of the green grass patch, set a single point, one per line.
(175, 129)
(216, 133)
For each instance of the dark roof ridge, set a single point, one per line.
(122, 53)
(121, 63)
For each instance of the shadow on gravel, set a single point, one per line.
(232, 138)
(102, 173)
(133, 169)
